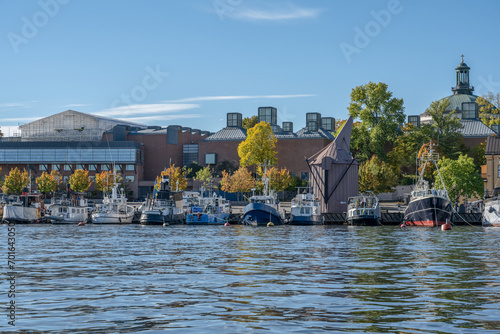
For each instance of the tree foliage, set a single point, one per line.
(204, 176)
(446, 128)
(105, 180)
(259, 147)
(48, 183)
(240, 181)
(489, 108)
(380, 114)
(225, 165)
(176, 174)
(15, 181)
(80, 181)
(460, 178)
(250, 122)
(279, 179)
(377, 176)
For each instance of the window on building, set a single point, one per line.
(304, 176)
(129, 178)
(82, 167)
(104, 167)
(130, 167)
(42, 167)
(210, 159)
(189, 154)
(328, 124)
(92, 167)
(469, 110)
(287, 127)
(268, 114)
(234, 120)
(67, 167)
(313, 121)
(498, 170)
(56, 167)
(414, 120)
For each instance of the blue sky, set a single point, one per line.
(189, 62)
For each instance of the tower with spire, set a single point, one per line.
(463, 86)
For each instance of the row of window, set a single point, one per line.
(69, 154)
(90, 167)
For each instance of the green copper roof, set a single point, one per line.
(456, 100)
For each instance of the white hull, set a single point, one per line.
(112, 218)
(491, 213)
(20, 213)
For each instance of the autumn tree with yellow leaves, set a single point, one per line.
(176, 174)
(80, 181)
(240, 182)
(105, 180)
(48, 183)
(259, 147)
(16, 181)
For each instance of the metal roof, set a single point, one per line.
(304, 133)
(475, 128)
(492, 145)
(228, 133)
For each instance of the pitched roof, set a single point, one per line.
(339, 149)
(492, 145)
(228, 133)
(305, 133)
(475, 128)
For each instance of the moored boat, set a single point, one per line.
(491, 212)
(68, 211)
(263, 209)
(214, 210)
(160, 208)
(113, 210)
(428, 206)
(24, 209)
(305, 208)
(363, 210)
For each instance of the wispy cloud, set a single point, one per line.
(144, 109)
(272, 12)
(17, 104)
(237, 97)
(19, 119)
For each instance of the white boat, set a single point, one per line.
(68, 211)
(27, 208)
(161, 208)
(363, 210)
(113, 210)
(305, 209)
(491, 212)
(214, 210)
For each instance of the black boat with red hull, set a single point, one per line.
(429, 210)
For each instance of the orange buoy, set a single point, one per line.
(227, 224)
(81, 223)
(446, 226)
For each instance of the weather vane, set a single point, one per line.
(462, 57)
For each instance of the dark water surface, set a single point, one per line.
(239, 279)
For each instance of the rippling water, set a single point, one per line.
(239, 279)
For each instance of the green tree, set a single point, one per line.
(48, 183)
(250, 122)
(406, 147)
(380, 113)
(16, 181)
(192, 169)
(377, 176)
(360, 142)
(225, 165)
(460, 178)
(204, 176)
(489, 106)
(80, 181)
(446, 128)
(259, 147)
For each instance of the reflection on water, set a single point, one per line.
(242, 279)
